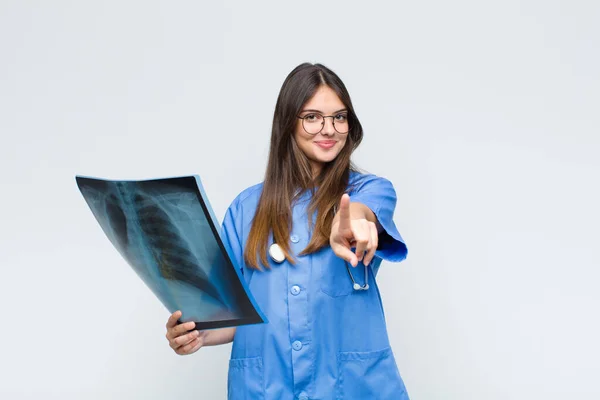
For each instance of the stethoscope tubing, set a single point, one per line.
(277, 256)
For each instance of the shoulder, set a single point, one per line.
(359, 181)
(247, 198)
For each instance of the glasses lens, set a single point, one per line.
(313, 123)
(340, 123)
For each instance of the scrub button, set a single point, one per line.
(297, 345)
(303, 397)
(294, 238)
(295, 290)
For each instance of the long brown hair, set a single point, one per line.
(289, 173)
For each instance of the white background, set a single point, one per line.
(484, 115)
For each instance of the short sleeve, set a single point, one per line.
(379, 195)
(231, 235)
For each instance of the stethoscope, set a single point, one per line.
(277, 255)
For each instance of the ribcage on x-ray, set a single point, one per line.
(172, 255)
(107, 207)
(117, 219)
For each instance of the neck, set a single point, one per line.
(316, 169)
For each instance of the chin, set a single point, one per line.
(325, 159)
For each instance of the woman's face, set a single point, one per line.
(322, 147)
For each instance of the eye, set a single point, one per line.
(311, 117)
(341, 117)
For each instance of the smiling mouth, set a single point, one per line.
(326, 144)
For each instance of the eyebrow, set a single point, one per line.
(321, 112)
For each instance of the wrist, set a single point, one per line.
(215, 337)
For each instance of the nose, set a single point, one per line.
(328, 128)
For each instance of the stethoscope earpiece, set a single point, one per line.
(355, 285)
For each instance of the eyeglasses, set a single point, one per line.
(313, 123)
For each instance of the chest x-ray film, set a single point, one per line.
(166, 230)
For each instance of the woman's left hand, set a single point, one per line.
(347, 233)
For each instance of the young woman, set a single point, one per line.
(332, 226)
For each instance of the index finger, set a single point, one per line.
(172, 321)
(344, 212)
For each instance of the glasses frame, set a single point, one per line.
(323, 124)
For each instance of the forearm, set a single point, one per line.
(215, 337)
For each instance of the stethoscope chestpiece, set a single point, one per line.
(276, 253)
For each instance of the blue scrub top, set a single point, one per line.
(324, 340)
